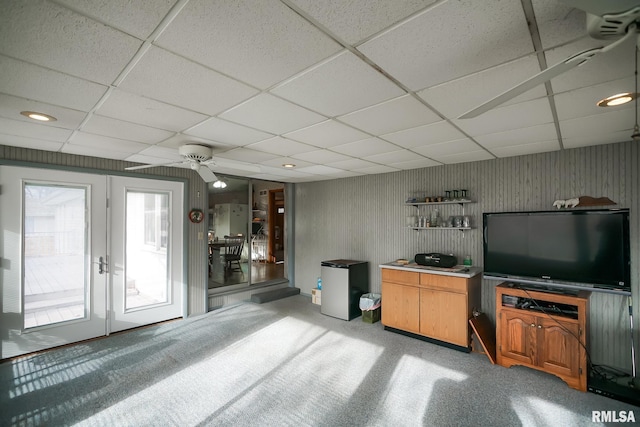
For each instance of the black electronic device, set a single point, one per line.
(436, 260)
(614, 390)
(587, 248)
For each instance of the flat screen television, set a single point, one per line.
(560, 249)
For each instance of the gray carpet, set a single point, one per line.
(276, 364)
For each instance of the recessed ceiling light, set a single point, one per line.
(38, 116)
(288, 165)
(618, 99)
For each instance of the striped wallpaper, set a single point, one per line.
(364, 218)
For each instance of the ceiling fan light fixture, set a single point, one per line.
(41, 117)
(219, 184)
(618, 99)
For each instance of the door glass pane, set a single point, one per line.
(146, 261)
(55, 246)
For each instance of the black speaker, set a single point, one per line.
(436, 260)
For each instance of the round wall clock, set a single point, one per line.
(196, 216)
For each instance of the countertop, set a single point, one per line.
(457, 271)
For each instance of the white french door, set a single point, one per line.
(73, 268)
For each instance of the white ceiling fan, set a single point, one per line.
(606, 20)
(200, 159)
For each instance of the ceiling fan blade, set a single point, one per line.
(532, 82)
(207, 174)
(601, 8)
(133, 168)
(230, 164)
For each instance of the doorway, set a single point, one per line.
(241, 206)
(75, 267)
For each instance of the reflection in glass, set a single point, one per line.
(146, 260)
(55, 245)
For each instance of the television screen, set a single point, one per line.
(579, 248)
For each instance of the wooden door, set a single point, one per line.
(401, 306)
(443, 316)
(518, 336)
(559, 347)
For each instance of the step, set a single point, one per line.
(273, 295)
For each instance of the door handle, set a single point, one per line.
(102, 265)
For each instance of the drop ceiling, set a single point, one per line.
(337, 88)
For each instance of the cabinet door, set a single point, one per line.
(443, 316)
(559, 347)
(518, 336)
(400, 306)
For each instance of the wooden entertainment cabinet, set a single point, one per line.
(434, 306)
(552, 340)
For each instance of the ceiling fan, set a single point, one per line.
(605, 20)
(200, 159)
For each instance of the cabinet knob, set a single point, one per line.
(533, 325)
(539, 326)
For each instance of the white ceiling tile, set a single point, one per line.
(279, 161)
(260, 43)
(339, 86)
(516, 116)
(35, 144)
(582, 102)
(608, 138)
(415, 164)
(353, 21)
(376, 169)
(557, 23)
(139, 21)
(169, 78)
(392, 157)
(471, 156)
(40, 84)
(281, 146)
(106, 143)
(322, 157)
(120, 129)
(246, 155)
(11, 106)
(105, 153)
(271, 114)
(230, 133)
(33, 129)
(613, 65)
(448, 148)
(130, 107)
(456, 97)
(434, 133)
(600, 125)
(327, 134)
(528, 148)
(320, 170)
(351, 164)
(451, 40)
(533, 134)
(365, 147)
(49, 35)
(397, 114)
(166, 154)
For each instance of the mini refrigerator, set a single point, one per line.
(343, 283)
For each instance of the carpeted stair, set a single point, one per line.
(263, 297)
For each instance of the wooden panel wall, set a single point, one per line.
(195, 191)
(364, 218)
